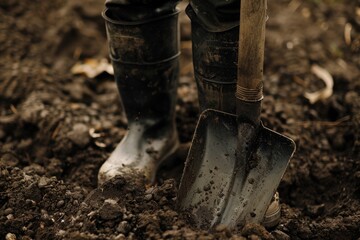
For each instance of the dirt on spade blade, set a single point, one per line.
(58, 127)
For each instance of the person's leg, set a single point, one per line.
(216, 15)
(144, 48)
(215, 39)
(215, 65)
(140, 10)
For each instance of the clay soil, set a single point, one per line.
(57, 128)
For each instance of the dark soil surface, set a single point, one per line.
(57, 128)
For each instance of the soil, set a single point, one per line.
(57, 128)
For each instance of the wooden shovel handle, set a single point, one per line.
(251, 50)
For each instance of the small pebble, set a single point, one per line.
(60, 203)
(83, 205)
(30, 202)
(79, 135)
(10, 236)
(149, 190)
(61, 233)
(80, 224)
(123, 227)
(148, 197)
(163, 201)
(8, 211)
(43, 182)
(110, 210)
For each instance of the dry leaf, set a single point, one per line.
(325, 93)
(347, 33)
(100, 144)
(93, 67)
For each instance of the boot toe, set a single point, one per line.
(106, 174)
(109, 171)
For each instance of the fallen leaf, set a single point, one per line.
(347, 33)
(324, 93)
(93, 67)
(93, 133)
(100, 144)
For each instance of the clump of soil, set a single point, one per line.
(57, 128)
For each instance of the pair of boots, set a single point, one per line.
(145, 57)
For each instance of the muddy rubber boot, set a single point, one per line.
(215, 66)
(145, 59)
(215, 57)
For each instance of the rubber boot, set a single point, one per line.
(215, 57)
(145, 59)
(215, 66)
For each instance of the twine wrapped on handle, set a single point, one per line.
(249, 94)
(251, 50)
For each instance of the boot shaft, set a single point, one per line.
(148, 93)
(145, 42)
(145, 56)
(215, 65)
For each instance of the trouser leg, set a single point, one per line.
(139, 10)
(216, 15)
